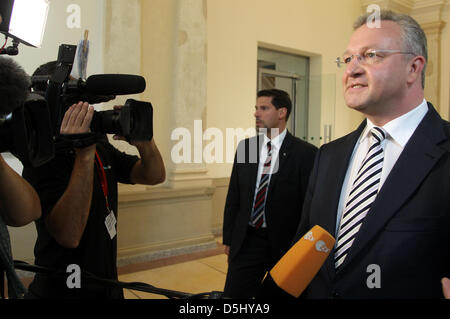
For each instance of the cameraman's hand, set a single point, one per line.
(77, 119)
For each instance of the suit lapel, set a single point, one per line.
(419, 156)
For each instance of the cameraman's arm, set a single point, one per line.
(149, 169)
(19, 202)
(67, 220)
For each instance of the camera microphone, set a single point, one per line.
(101, 87)
(99, 84)
(115, 84)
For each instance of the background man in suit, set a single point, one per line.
(265, 195)
(389, 210)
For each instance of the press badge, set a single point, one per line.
(110, 222)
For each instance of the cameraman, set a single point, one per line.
(78, 192)
(19, 203)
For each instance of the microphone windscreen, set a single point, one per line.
(115, 84)
(297, 268)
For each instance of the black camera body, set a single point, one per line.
(31, 130)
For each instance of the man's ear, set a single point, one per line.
(415, 69)
(282, 111)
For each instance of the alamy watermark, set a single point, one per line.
(374, 279)
(74, 279)
(374, 19)
(73, 20)
(215, 146)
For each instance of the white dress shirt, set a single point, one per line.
(277, 141)
(399, 131)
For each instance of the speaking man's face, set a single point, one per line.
(372, 87)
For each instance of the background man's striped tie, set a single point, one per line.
(362, 195)
(257, 217)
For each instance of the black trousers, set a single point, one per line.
(248, 268)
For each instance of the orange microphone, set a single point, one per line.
(297, 268)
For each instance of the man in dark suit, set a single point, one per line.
(384, 189)
(265, 195)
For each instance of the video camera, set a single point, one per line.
(134, 120)
(30, 131)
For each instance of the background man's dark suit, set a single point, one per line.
(285, 194)
(407, 230)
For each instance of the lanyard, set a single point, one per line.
(102, 175)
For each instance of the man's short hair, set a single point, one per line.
(14, 85)
(280, 99)
(414, 38)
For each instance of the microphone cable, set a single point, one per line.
(139, 286)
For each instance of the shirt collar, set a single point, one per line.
(277, 140)
(402, 128)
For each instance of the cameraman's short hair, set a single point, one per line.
(280, 99)
(14, 85)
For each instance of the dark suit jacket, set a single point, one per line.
(284, 198)
(406, 232)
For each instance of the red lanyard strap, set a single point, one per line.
(102, 175)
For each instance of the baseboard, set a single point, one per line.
(154, 252)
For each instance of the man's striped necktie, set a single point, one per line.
(362, 195)
(257, 217)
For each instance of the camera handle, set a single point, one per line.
(81, 140)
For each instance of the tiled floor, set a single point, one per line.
(194, 273)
